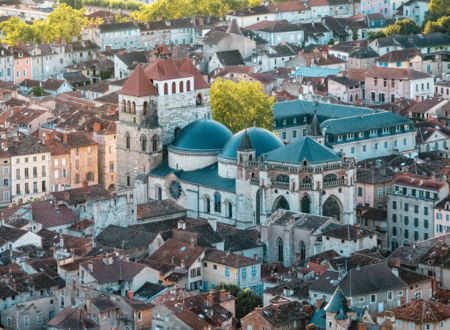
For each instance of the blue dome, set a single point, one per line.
(202, 135)
(262, 141)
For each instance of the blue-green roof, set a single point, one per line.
(262, 141)
(313, 71)
(363, 123)
(325, 111)
(202, 135)
(207, 177)
(337, 303)
(305, 148)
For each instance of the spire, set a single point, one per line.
(314, 128)
(234, 27)
(341, 315)
(246, 143)
(338, 302)
(138, 84)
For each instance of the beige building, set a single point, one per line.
(105, 136)
(30, 165)
(5, 175)
(59, 164)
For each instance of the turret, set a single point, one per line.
(245, 152)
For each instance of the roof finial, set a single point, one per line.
(254, 123)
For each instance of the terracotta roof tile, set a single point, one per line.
(422, 311)
(138, 84)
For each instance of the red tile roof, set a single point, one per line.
(394, 73)
(287, 6)
(138, 84)
(422, 311)
(165, 69)
(189, 67)
(419, 182)
(175, 251)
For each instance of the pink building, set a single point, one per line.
(375, 6)
(22, 65)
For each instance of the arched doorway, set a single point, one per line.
(258, 207)
(305, 204)
(302, 250)
(281, 203)
(332, 208)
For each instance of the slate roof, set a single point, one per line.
(103, 304)
(114, 27)
(326, 283)
(363, 122)
(10, 234)
(72, 318)
(82, 195)
(130, 59)
(157, 208)
(232, 260)
(283, 314)
(118, 270)
(127, 238)
(348, 232)
(399, 55)
(396, 73)
(301, 150)
(433, 39)
(52, 84)
(366, 280)
(364, 52)
(149, 290)
(50, 215)
(25, 146)
(275, 26)
(230, 57)
(344, 80)
(250, 11)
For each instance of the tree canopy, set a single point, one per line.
(404, 26)
(438, 17)
(246, 299)
(237, 105)
(63, 23)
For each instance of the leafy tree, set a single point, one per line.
(354, 33)
(37, 91)
(120, 19)
(372, 35)
(437, 9)
(237, 105)
(246, 299)
(404, 26)
(14, 29)
(441, 25)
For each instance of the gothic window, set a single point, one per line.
(330, 178)
(281, 203)
(181, 87)
(166, 88)
(174, 87)
(207, 202)
(158, 193)
(306, 179)
(282, 178)
(127, 141)
(302, 250)
(134, 108)
(250, 157)
(305, 204)
(229, 209)
(332, 208)
(145, 108)
(143, 143)
(280, 250)
(128, 181)
(128, 107)
(155, 143)
(124, 106)
(188, 85)
(217, 203)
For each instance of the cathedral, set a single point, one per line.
(238, 179)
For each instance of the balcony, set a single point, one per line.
(303, 186)
(334, 183)
(254, 181)
(280, 184)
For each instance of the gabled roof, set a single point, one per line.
(188, 67)
(138, 84)
(399, 55)
(338, 302)
(422, 311)
(396, 73)
(175, 252)
(118, 270)
(165, 69)
(230, 57)
(234, 27)
(113, 27)
(303, 149)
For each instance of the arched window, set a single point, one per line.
(166, 88)
(134, 107)
(124, 106)
(188, 85)
(282, 178)
(181, 87)
(143, 143)
(174, 87)
(128, 107)
(229, 209)
(305, 204)
(128, 181)
(306, 179)
(330, 178)
(158, 193)
(217, 203)
(198, 99)
(155, 141)
(127, 141)
(351, 98)
(280, 250)
(207, 205)
(302, 250)
(145, 108)
(250, 157)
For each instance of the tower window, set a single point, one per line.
(127, 141)
(166, 88)
(143, 143)
(174, 87)
(145, 108)
(155, 143)
(181, 87)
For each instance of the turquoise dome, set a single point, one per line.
(262, 141)
(204, 135)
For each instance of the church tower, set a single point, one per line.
(314, 130)
(245, 152)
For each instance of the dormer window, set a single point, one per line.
(339, 138)
(360, 135)
(397, 128)
(373, 132)
(350, 136)
(386, 130)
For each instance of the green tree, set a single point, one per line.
(246, 299)
(37, 91)
(437, 9)
(354, 33)
(237, 105)
(404, 26)
(441, 25)
(372, 35)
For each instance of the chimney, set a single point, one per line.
(90, 267)
(192, 242)
(181, 225)
(85, 184)
(319, 303)
(97, 127)
(130, 294)
(65, 138)
(210, 299)
(307, 308)
(223, 294)
(255, 256)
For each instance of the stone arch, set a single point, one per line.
(155, 142)
(174, 87)
(280, 249)
(394, 243)
(330, 177)
(332, 207)
(134, 108)
(188, 85)
(158, 193)
(305, 204)
(181, 87)
(143, 143)
(145, 108)
(129, 107)
(206, 204)
(228, 208)
(281, 203)
(302, 250)
(127, 140)
(124, 106)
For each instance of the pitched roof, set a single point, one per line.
(230, 57)
(72, 318)
(178, 252)
(165, 69)
(396, 73)
(52, 84)
(50, 215)
(232, 260)
(125, 238)
(82, 195)
(418, 182)
(399, 55)
(117, 270)
(282, 314)
(422, 311)
(138, 84)
(300, 150)
(348, 232)
(113, 27)
(10, 234)
(234, 27)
